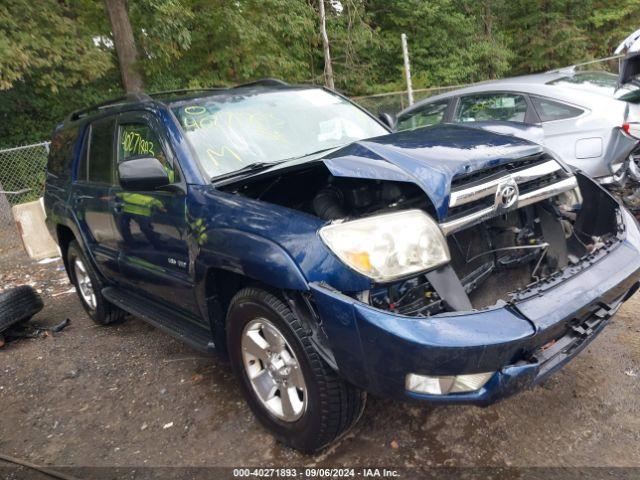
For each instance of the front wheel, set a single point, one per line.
(290, 389)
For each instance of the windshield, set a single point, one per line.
(602, 83)
(235, 129)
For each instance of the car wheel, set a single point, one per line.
(290, 389)
(89, 287)
(18, 305)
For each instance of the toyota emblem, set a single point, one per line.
(507, 194)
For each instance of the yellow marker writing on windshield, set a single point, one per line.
(221, 153)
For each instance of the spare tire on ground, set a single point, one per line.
(18, 305)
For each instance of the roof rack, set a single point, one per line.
(129, 97)
(266, 82)
(186, 90)
(143, 97)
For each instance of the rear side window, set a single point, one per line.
(430, 114)
(61, 152)
(100, 151)
(508, 107)
(549, 110)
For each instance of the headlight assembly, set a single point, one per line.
(389, 246)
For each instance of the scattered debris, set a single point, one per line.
(394, 445)
(182, 359)
(47, 276)
(197, 378)
(66, 292)
(167, 425)
(33, 330)
(59, 327)
(71, 374)
(144, 426)
(44, 261)
(630, 373)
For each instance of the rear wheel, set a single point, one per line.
(89, 287)
(290, 389)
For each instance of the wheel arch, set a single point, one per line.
(65, 236)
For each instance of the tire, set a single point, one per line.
(18, 305)
(331, 405)
(97, 307)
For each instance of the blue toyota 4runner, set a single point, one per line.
(288, 229)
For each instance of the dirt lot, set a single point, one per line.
(131, 396)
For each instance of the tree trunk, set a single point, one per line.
(328, 69)
(125, 44)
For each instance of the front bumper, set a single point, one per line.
(523, 342)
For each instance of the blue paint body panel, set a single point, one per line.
(429, 157)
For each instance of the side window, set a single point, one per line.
(83, 169)
(548, 110)
(61, 151)
(138, 140)
(492, 106)
(430, 114)
(100, 151)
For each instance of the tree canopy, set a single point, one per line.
(56, 55)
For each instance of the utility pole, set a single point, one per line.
(407, 68)
(328, 69)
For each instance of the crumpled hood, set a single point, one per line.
(429, 157)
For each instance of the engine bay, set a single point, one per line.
(494, 260)
(509, 256)
(315, 191)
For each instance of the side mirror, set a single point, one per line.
(143, 174)
(388, 120)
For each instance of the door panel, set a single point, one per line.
(574, 134)
(90, 194)
(151, 226)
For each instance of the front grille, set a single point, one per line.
(480, 195)
(466, 179)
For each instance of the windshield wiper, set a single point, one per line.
(252, 167)
(312, 153)
(257, 166)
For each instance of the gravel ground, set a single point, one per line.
(130, 396)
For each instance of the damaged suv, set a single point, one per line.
(286, 228)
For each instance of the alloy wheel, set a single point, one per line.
(84, 284)
(273, 370)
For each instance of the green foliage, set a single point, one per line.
(545, 33)
(46, 42)
(57, 55)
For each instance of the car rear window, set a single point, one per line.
(548, 110)
(602, 83)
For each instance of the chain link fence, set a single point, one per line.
(22, 177)
(394, 102)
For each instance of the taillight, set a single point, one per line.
(632, 128)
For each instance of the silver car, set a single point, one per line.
(587, 117)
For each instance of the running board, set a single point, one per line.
(176, 324)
